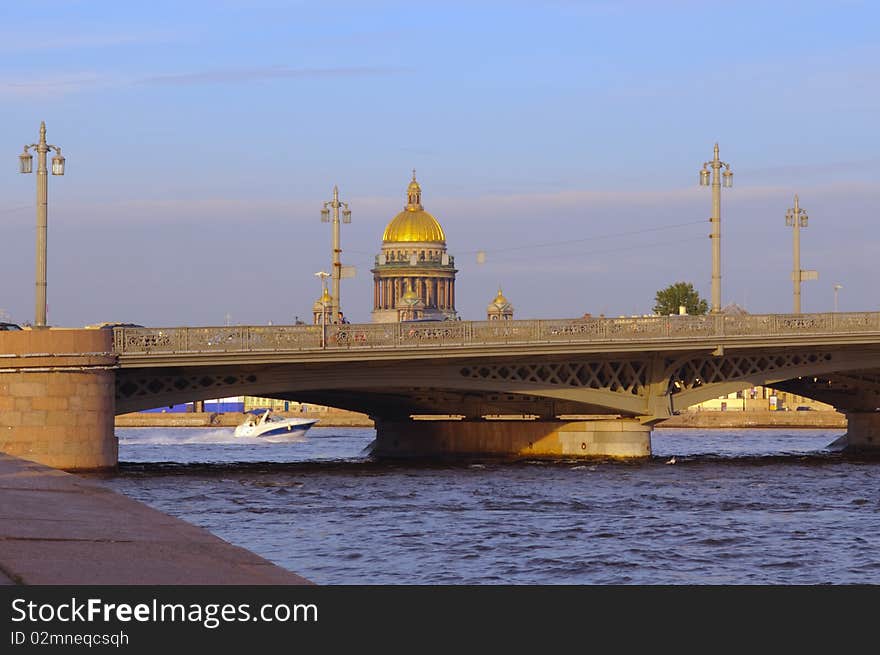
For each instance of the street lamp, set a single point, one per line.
(797, 218)
(837, 287)
(716, 181)
(335, 204)
(25, 165)
(323, 275)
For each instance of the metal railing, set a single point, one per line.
(293, 338)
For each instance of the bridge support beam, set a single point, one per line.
(512, 438)
(862, 432)
(57, 398)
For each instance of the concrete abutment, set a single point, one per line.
(57, 398)
(620, 438)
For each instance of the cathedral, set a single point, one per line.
(414, 276)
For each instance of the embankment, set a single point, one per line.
(755, 419)
(341, 418)
(338, 418)
(64, 529)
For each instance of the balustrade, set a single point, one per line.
(466, 333)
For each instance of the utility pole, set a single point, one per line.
(336, 271)
(797, 218)
(716, 164)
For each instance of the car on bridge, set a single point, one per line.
(10, 326)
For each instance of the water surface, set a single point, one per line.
(736, 507)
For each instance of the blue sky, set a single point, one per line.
(562, 138)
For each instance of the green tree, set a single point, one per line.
(668, 300)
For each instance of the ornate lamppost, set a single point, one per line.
(25, 165)
(335, 205)
(716, 180)
(797, 218)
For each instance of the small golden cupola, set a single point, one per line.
(413, 258)
(324, 305)
(499, 308)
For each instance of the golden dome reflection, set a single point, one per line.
(414, 224)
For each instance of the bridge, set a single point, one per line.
(574, 387)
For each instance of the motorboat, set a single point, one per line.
(264, 424)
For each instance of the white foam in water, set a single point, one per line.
(178, 436)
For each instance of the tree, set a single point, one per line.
(668, 300)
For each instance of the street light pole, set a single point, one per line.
(716, 164)
(837, 287)
(335, 204)
(797, 218)
(25, 165)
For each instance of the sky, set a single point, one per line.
(561, 138)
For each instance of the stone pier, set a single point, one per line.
(57, 397)
(862, 432)
(619, 438)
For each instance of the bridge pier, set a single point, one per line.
(862, 431)
(57, 397)
(621, 438)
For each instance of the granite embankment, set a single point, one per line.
(340, 418)
(336, 418)
(756, 419)
(62, 529)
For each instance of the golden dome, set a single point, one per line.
(500, 301)
(326, 300)
(414, 224)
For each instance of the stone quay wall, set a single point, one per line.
(57, 397)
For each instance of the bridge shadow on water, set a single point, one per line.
(370, 466)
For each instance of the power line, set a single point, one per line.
(638, 247)
(9, 210)
(567, 241)
(595, 238)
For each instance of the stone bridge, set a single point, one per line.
(579, 387)
(531, 388)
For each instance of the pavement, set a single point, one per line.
(61, 529)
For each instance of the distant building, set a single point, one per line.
(499, 308)
(759, 398)
(324, 305)
(413, 275)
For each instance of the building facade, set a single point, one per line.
(414, 275)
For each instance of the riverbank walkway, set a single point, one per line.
(62, 529)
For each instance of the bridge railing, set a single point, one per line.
(276, 338)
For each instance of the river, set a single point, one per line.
(710, 507)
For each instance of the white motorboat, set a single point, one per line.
(265, 425)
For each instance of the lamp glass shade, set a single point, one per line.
(704, 177)
(325, 215)
(728, 179)
(57, 165)
(25, 162)
(346, 216)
